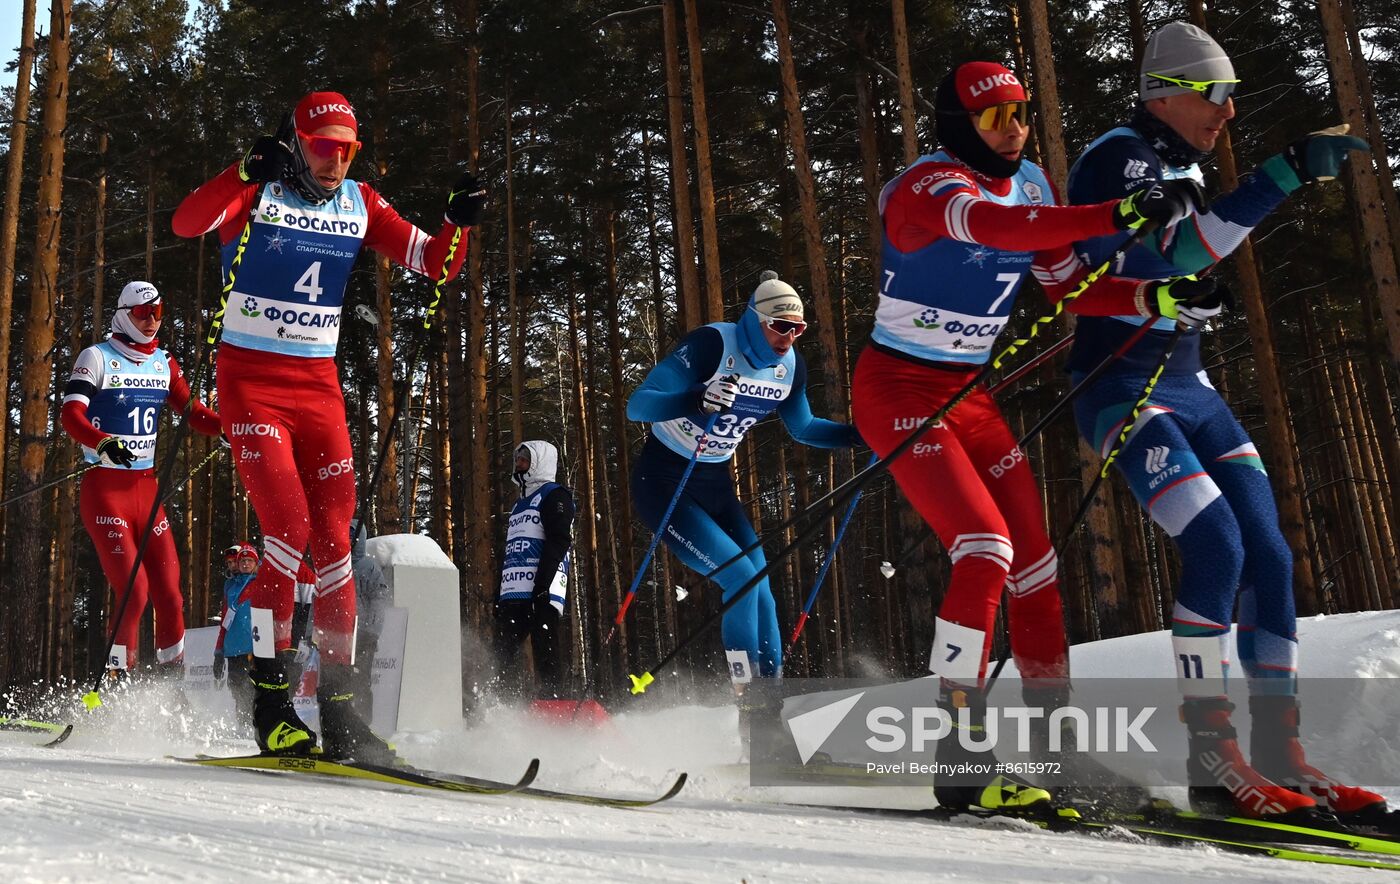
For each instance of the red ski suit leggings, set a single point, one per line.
(285, 416)
(970, 481)
(115, 505)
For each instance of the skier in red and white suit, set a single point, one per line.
(279, 389)
(111, 406)
(962, 230)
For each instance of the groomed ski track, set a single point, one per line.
(87, 816)
(109, 806)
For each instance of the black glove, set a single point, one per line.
(1190, 301)
(113, 452)
(1162, 203)
(465, 201)
(1318, 156)
(220, 666)
(270, 156)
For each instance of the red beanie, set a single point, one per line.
(325, 109)
(982, 84)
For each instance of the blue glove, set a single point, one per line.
(1317, 156)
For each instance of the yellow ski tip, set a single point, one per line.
(91, 700)
(640, 682)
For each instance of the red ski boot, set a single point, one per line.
(1276, 752)
(1220, 780)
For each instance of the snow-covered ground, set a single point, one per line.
(109, 806)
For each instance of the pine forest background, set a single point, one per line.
(647, 162)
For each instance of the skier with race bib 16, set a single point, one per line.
(298, 223)
(111, 406)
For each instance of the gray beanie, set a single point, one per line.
(1183, 51)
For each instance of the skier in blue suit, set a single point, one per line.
(739, 373)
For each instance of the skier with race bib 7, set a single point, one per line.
(963, 228)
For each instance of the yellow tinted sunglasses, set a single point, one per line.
(999, 116)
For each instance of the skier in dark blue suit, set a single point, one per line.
(1188, 461)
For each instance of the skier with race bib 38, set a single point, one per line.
(705, 396)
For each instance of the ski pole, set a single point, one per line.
(1086, 381)
(826, 566)
(661, 528)
(1010, 350)
(191, 474)
(1122, 436)
(993, 390)
(401, 407)
(73, 474)
(1031, 366)
(843, 492)
(92, 699)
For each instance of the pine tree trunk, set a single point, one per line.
(1045, 94)
(99, 240)
(25, 603)
(9, 216)
(658, 294)
(909, 132)
(688, 281)
(820, 296)
(517, 367)
(388, 515)
(704, 170)
(480, 571)
(587, 543)
(623, 461)
(1361, 172)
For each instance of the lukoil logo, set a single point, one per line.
(987, 84)
(270, 430)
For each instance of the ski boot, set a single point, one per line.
(1085, 782)
(1275, 751)
(344, 733)
(764, 738)
(967, 778)
(1220, 781)
(280, 730)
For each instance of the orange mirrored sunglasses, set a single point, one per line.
(325, 148)
(152, 310)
